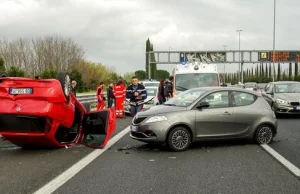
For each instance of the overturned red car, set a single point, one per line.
(44, 113)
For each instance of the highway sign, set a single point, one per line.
(203, 56)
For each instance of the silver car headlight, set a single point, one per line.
(280, 101)
(156, 119)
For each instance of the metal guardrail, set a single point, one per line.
(89, 101)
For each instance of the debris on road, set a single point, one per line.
(172, 157)
(124, 148)
(151, 160)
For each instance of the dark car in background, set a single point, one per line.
(199, 114)
(283, 97)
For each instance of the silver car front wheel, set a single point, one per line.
(179, 139)
(264, 134)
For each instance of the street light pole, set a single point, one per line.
(224, 63)
(239, 31)
(274, 42)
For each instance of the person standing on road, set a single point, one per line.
(110, 95)
(169, 88)
(73, 90)
(120, 94)
(137, 94)
(161, 92)
(100, 97)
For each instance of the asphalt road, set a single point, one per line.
(226, 167)
(287, 143)
(24, 171)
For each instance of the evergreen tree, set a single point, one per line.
(262, 71)
(153, 66)
(278, 72)
(270, 70)
(148, 45)
(267, 73)
(284, 77)
(256, 72)
(2, 66)
(290, 71)
(252, 74)
(296, 69)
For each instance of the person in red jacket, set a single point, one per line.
(100, 97)
(120, 97)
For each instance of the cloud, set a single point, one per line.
(115, 31)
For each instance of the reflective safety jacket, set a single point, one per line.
(100, 93)
(119, 91)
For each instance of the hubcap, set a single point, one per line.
(67, 85)
(265, 135)
(180, 139)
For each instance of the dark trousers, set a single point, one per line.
(110, 101)
(135, 109)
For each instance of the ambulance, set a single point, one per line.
(194, 75)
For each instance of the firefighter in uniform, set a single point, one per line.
(137, 94)
(120, 97)
(100, 97)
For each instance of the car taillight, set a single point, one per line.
(48, 124)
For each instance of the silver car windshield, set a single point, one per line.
(287, 88)
(188, 81)
(185, 98)
(151, 84)
(151, 91)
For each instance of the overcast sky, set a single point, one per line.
(114, 32)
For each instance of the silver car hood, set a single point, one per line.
(291, 97)
(160, 109)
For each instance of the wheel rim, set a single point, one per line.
(180, 139)
(265, 135)
(67, 85)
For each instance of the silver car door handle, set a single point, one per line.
(226, 113)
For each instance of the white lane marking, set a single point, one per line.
(73, 170)
(282, 160)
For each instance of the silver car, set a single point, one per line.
(283, 97)
(206, 114)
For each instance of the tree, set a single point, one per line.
(278, 72)
(37, 55)
(162, 74)
(2, 66)
(266, 73)
(296, 69)
(290, 71)
(140, 74)
(256, 72)
(153, 66)
(49, 74)
(148, 45)
(76, 75)
(284, 76)
(127, 77)
(15, 72)
(270, 71)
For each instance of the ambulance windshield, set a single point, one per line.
(188, 81)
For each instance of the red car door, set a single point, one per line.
(97, 127)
